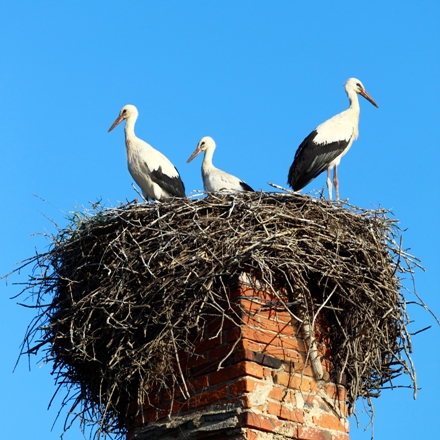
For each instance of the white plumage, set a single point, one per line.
(213, 178)
(157, 177)
(324, 147)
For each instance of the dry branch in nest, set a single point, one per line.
(121, 289)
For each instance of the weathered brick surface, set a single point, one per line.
(330, 422)
(282, 412)
(241, 369)
(263, 390)
(244, 385)
(309, 433)
(211, 395)
(261, 422)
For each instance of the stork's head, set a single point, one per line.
(204, 143)
(355, 85)
(126, 112)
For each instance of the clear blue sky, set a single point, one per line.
(257, 76)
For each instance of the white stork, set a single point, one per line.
(324, 147)
(213, 178)
(157, 177)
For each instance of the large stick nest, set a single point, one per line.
(121, 289)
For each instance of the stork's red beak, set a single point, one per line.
(368, 97)
(196, 152)
(119, 119)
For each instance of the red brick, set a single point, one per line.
(250, 319)
(246, 401)
(251, 345)
(264, 337)
(213, 363)
(336, 392)
(300, 368)
(151, 415)
(212, 395)
(250, 306)
(281, 395)
(312, 400)
(261, 422)
(289, 398)
(251, 435)
(233, 334)
(253, 369)
(243, 354)
(282, 353)
(283, 316)
(267, 372)
(292, 342)
(341, 437)
(188, 361)
(246, 385)
(197, 384)
(282, 378)
(329, 421)
(307, 433)
(220, 353)
(324, 351)
(214, 326)
(295, 382)
(265, 312)
(273, 325)
(211, 328)
(277, 393)
(282, 412)
(241, 291)
(313, 386)
(326, 376)
(327, 365)
(208, 344)
(290, 428)
(238, 370)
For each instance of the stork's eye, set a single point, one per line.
(359, 85)
(203, 143)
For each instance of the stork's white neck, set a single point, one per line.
(130, 137)
(129, 127)
(207, 160)
(354, 101)
(353, 112)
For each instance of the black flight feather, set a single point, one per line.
(245, 187)
(172, 185)
(311, 159)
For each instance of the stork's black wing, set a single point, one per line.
(245, 186)
(311, 159)
(172, 185)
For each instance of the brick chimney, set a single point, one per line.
(234, 316)
(250, 378)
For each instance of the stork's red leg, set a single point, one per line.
(329, 184)
(336, 181)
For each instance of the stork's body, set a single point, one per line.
(213, 178)
(324, 147)
(157, 177)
